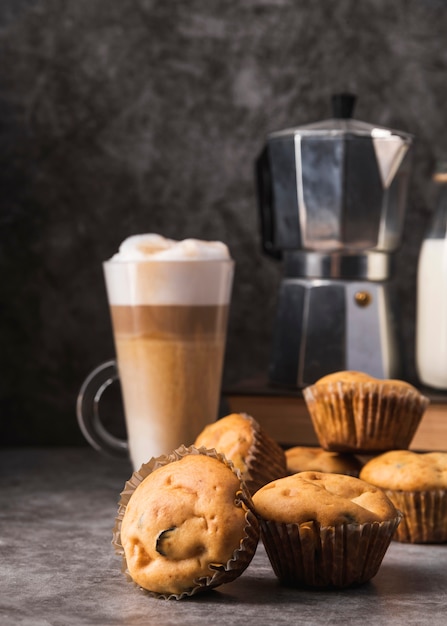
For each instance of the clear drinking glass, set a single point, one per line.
(169, 321)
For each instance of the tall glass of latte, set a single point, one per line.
(169, 306)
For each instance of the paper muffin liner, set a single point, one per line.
(309, 555)
(266, 460)
(364, 417)
(424, 515)
(241, 557)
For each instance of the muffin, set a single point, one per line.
(324, 530)
(241, 439)
(417, 485)
(185, 524)
(354, 412)
(306, 458)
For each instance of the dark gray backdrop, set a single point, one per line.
(126, 116)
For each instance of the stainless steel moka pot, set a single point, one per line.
(332, 199)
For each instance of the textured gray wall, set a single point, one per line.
(125, 116)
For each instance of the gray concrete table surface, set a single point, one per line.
(58, 568)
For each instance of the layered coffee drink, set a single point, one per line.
(169, 305)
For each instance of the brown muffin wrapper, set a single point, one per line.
(308, 555)
(266, 460)
(241, 557)
(365, 417)
(424, 515)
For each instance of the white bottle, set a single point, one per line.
(431, 312)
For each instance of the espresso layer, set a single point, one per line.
(169, 320)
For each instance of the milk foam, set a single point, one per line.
(153, 270)
(152, 247)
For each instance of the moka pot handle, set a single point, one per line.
(266, 203)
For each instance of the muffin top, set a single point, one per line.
(183, 522)
(353, 377)
(404, 470)
(305, 458)
(232, 436)
(347, 376)
(328, 499)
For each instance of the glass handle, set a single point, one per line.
(87, 411)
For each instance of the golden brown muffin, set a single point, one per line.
(345, 376)
(306, 458)
(354, 412)
(328, 499)
(417, 484)
(325, 530)
(241, 439)
(187, 525)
